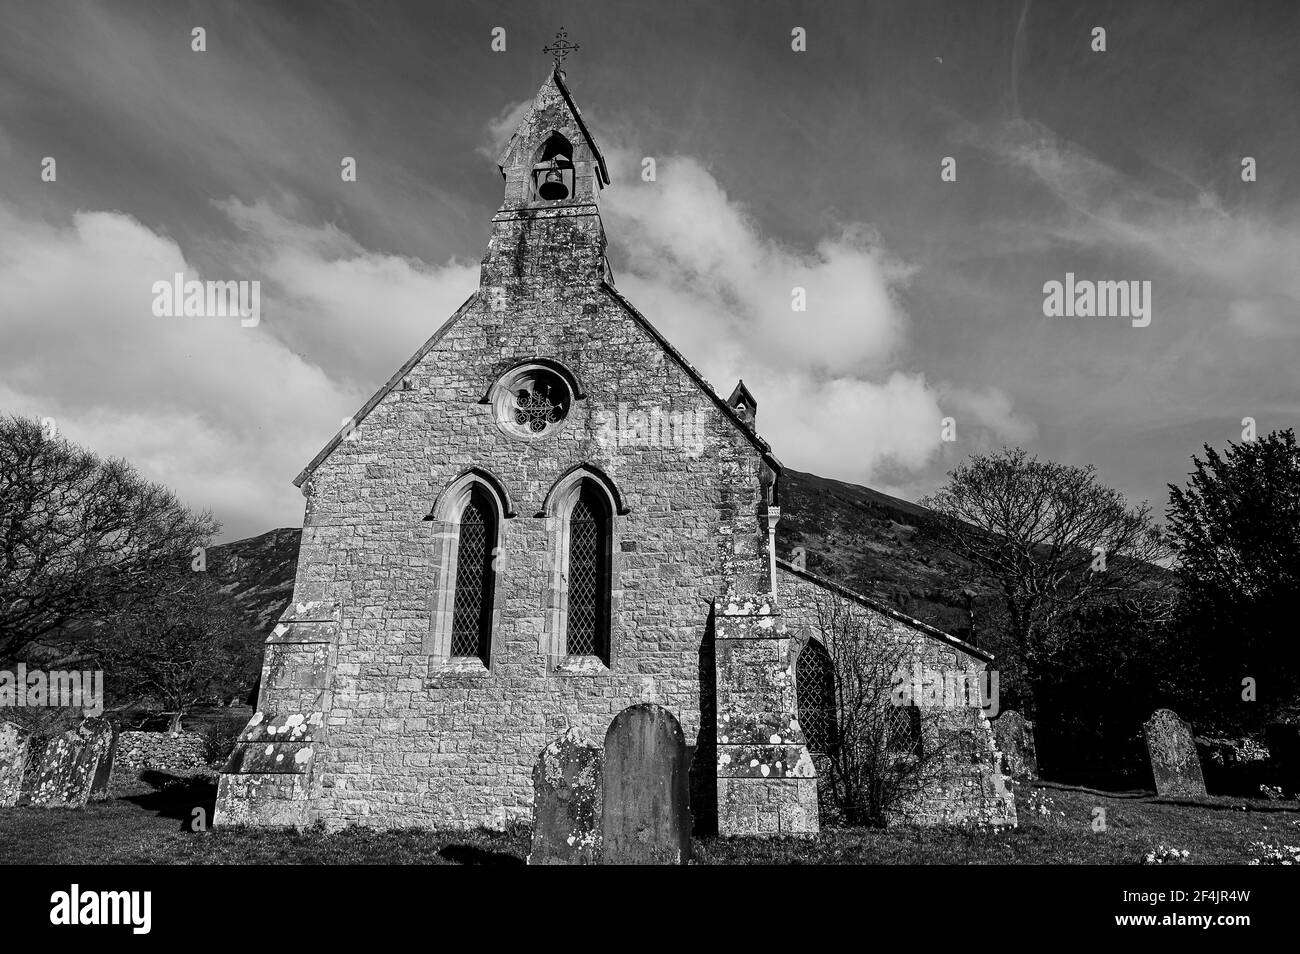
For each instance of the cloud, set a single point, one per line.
(358, 314)
(226, 415)
(832, 397)
(1238, 254)
(991, 412)
(499, 130)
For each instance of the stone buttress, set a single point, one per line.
(270, 776)
(766, 780)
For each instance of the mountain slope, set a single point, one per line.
(877, 545)
(258, 573)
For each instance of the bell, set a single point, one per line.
(553, 186)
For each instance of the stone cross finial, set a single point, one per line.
(560, 48)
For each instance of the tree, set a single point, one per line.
(878, 755)
(1054, 540)
(1236, 529)
(174, 650)
(79, 536)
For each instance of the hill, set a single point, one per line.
(257, 573)
(879, 546)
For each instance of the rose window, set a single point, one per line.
(532, 402)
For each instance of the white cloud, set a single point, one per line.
(991, 413)
(499, 130)
(225, 415)
(1240, 254)
(832, 397)
(358, 314)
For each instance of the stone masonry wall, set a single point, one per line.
(459, 749)
(183, 751)
(970, 787)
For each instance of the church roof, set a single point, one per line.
(887, 610)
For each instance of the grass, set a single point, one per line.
(148, 824)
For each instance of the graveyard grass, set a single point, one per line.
(146, 824)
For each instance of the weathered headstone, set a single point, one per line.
(98, 754)
(1283, 742)
(59, 780)
(1015, 739)
(1175, 764)
(72, 766)
(14, 743)
(646, 816)
(568, 802)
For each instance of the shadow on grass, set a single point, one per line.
(1223, 803)
(177, 796)
(1138, 794)
(1236, 805)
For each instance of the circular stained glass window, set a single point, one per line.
(532, 402)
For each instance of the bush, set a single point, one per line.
(219, 741)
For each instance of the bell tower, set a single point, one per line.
(548, 231)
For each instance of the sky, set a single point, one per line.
(776, 169)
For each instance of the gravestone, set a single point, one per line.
(1283, 742)
(98, 754)
(71, 765)
(646, 816)
(1175, 764)
(14, 744)
(59, 780)
(568, 800)
(1015, 739)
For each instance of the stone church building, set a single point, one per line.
(545, 516)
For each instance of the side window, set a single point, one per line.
(468, 540)
(587, 625)
(815, 696)
(584, 514)
(471, 626)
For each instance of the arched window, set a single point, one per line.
(815, 696)
(583, 511)
(469, 536)
(587, 627)
(471, 621)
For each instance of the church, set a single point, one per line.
(545, 516)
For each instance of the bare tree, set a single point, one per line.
(174, 650)
(878, 755)
(79, 536)
(1055, 540)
